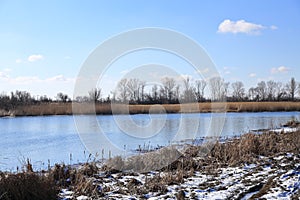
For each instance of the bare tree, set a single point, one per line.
(95, 95)
(200, 86)
(122, 90)
(218, 89)
(188, 92)
(262, 90)
(142, 90)
(292, 88)
(238, 90)
(62, 97)
(279, 91)
(133, 86)
(253, 94)
(168, 88)
(271, 88)
(154, 92)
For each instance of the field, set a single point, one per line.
(104, 109)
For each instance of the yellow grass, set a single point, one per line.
(87, 108)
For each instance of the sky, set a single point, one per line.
(44, 44)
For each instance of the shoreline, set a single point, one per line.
(267, 166)
(49, 109)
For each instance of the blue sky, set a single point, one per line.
(44, 44)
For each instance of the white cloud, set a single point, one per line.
(35, 57)
(281, 69)
(25, 80)
(240, 26)
(273, 27)
(252, 75)
(3, 75)
(18, 61)
(60, 78)
(124, 72)
(57, 78)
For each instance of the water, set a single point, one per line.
(56, 138)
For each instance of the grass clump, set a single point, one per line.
(27, 186)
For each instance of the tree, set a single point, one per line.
(95, 95)
(188, 92)
(279, 91)
(238, 90)
(262, 90)
(168, 89)
(218, 89)
(154, 92)
(253, 94)
(133, 89)
(292, 89)
(62, 97)
(200, 86)
(122, 90)
(271, 88)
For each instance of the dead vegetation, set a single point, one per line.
(106, 109)
(172, 168)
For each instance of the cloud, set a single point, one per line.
(60, 78)
(281, 69)
(273, 27)
(25, 80)
(252, 75)
(3, 75)
(18, 61)
(57, 78)
(124, 72)
(35, 57)
(240, 26)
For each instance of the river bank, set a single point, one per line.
(264, 165)
(47, 109)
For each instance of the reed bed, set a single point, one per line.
(108, 109)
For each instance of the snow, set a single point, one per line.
(240, 182)
(82, 197)
(284, 130)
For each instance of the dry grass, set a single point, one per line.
(105, 109)
(86, 180)
(25, 186)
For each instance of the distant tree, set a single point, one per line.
(23, 97)
(95, 95)
(262, 90)
(200, 86)
(62, 97)
(45, 99)
(5, 102)
(122, 92)
(271, 88)
(188, 90)
(238, 91)
(280, 91)
(154, 93)
(253, 94)
(168, 89)
(218, 89)
(292, 88)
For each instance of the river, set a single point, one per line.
(57, 139)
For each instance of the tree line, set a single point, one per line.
(170, 91)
